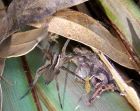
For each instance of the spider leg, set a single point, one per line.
(39, 72)
(101, 89)
(63, 52)
(97, 92)
(65, 84)
(46, 52)
(5, 80)
(58, 91)
(66, 69)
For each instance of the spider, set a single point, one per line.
(53, 69)
(93, 71)
(89, 69)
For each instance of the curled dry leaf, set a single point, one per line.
(21, 43)
(22, 12)
(2, 12)
(33, 10)
(82, 28)
(1, 5)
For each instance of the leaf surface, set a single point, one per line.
(22, 12)
(21, 43)
(125, 17)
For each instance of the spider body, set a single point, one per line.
(91, 68)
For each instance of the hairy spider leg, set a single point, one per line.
(59, 65)
(39, 72)
(101, 89)
(58, 92)
(65, 85)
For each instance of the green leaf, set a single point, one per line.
(125, 18)
(21, 13)
(12, 93)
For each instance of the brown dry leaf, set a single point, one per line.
(22, 12)
(82, 28)
(2, 14)
(128, 91)
(1, 5)
(21, 43)
(2, 10)
(33, 10)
